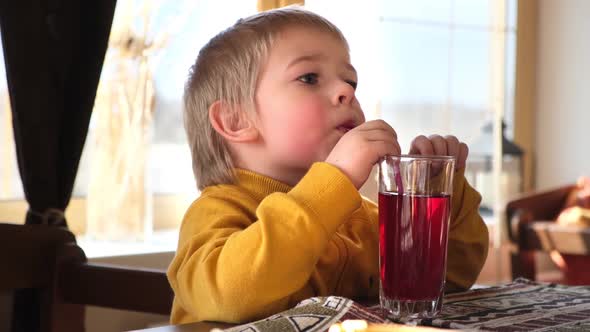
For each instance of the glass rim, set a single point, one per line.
(419, 157)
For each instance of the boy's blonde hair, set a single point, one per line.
(227, 70)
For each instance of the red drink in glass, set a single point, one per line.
(414, 215)
(413, 245)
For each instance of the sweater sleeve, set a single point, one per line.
(231, 268)
(468, 236)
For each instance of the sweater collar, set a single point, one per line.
(259, 185)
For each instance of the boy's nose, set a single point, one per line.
(344, 94)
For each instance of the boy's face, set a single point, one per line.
(305, 100)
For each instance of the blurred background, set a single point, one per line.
(506, 76)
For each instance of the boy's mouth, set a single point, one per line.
(346, 127)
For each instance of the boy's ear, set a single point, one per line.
(234, 126)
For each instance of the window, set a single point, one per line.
(187, 25)
(184, 27)
(432, 66)
(425, 66)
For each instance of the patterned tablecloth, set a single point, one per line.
(522, 305)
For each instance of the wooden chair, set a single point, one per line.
(47, 259)
(532, 228)
(28, 258)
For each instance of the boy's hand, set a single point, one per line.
(441, 146)
(360, 148)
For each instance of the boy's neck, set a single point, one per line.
(290, 178)
(253, 159)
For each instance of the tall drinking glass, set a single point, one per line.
(414, 213)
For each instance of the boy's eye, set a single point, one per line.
(309, 78)
(352, 83)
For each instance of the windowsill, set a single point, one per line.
(160, 241)
(164, 241)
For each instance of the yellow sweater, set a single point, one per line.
(249, 250)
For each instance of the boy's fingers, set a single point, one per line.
(452, 146)
(375, 136)
(439, 144)
(379, 130)
(398, 148)
(378, 124)
(462, 156)
(421, 145)
(387, 148)
(383, 138)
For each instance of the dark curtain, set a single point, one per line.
(53, 50)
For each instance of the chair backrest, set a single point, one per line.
(29, 256)
(113, 286)
(46, 259)
(531, 227)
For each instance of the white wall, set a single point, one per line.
(563, 92)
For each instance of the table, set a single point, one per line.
(191, 327)
(522, 305)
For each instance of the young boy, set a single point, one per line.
(280, 147)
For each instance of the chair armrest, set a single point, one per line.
(548, 236)
(118, 287)
(537, 206)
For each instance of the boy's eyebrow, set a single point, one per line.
(315, 57)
